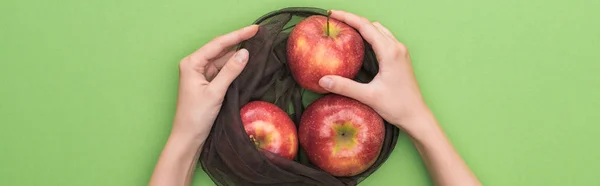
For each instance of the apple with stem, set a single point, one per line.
(319, 46)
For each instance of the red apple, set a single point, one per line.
(270, 128)
(315, 50)
(341, 135)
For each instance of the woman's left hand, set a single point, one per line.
(204, 77)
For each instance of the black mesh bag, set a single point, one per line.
(228, 155)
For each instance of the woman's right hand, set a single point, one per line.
(394, 92)
(395, 95)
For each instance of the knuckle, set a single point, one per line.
(397, 51)
(238, 36)
(364, 20)
(218, 41)
(392, 51)
(226, 70)
(364, 24)
(184, 63)
(230, 67)
(401, 47)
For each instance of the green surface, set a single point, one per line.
(88, 89)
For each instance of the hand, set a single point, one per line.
(395, 95)
(205, 76)
(394, 92)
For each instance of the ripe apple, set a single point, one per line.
(341, 135)
(270, 128)
(316, 48)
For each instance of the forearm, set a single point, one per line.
(177, 161)
(443, 162)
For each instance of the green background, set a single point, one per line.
(88, 88)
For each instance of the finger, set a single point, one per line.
(344, 86)
(211, 72)
(219, 62)
(364, 26)
(222, 43)
(384, 30)
(230, 71)
(222, 53)
(225, 42)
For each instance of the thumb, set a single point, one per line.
(345, 87)
(230, 71)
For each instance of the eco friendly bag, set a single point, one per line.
(230, 158)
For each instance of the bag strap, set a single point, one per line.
(300, 11)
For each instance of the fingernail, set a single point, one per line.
(241, 56)
(326, 82)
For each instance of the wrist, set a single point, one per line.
(420, 124)
(188, 138)
(182, 147)
(190, 129)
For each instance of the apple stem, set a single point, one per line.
(328, 15)
(254, 140)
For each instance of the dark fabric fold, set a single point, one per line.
(228, 155)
